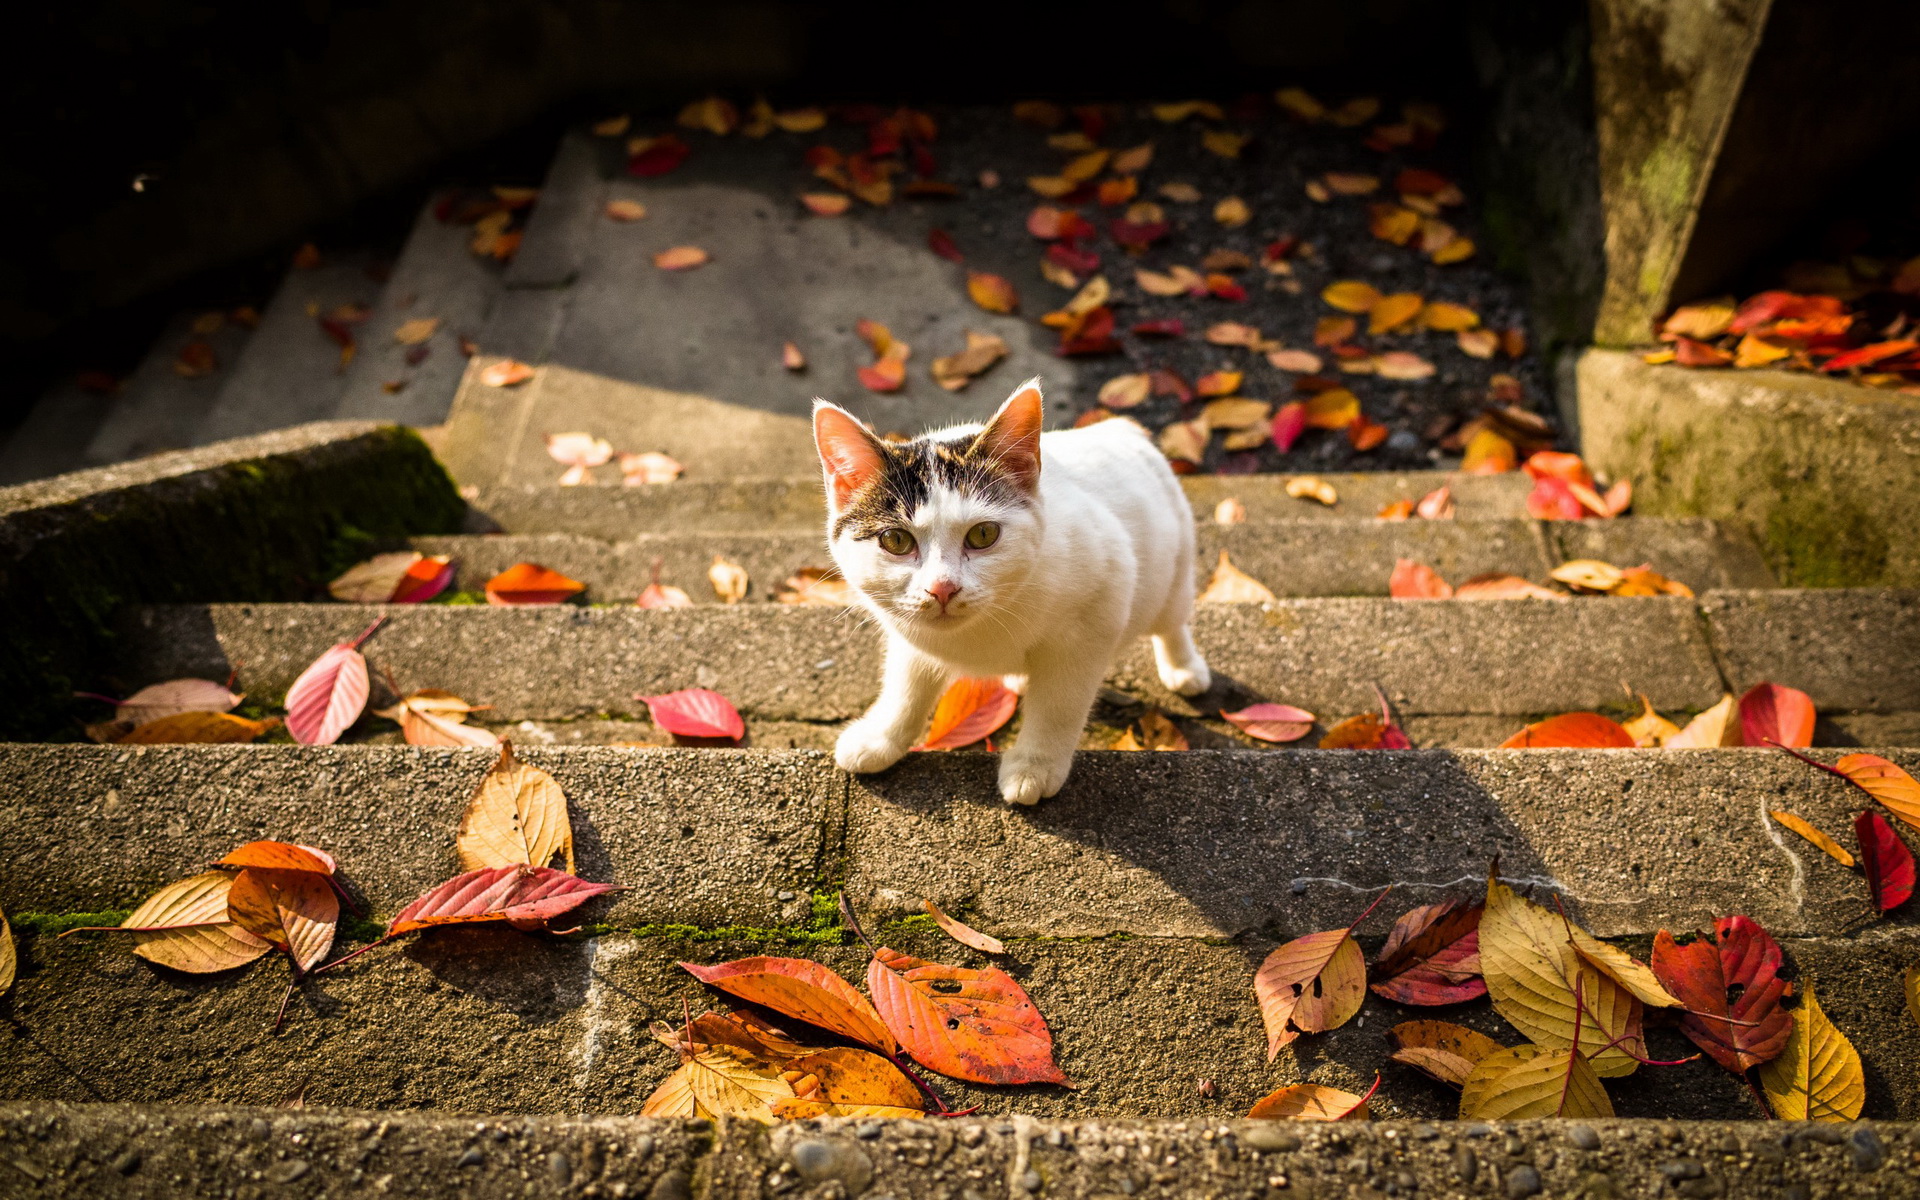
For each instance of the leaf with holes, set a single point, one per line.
(1432, 956)
(963, 933)
(1579, 730)
(1271, 722)
(1440, 1049)
(1313, 1102)
(1531, 1081)
(185, 926)
(696, 712)
(329, 695)
(293, 910)
(1730, 988)
(525, 897)
(1886, 860)
(805, 991)
(1310, 985)
(976, 1025)
(1771, 713)
(969, 711)
(1818, 1076)
(518, 815)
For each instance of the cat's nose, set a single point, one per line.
(944, 590)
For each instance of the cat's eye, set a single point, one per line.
(896, 541)
(985, 534)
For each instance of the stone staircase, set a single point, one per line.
(1136, 904)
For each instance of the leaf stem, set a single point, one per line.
(367, 632)
(1369, 909)
(280, 1018)
(853, 922)
(347, 958)
(1814, 762)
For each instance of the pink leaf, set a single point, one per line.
(1772, 713)
(1553, 500)
(1272, 722)
(1288, 424)
(526, 897)
(329, 695)
(696, 712)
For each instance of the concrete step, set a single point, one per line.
(737, 503)
(1458, 672)
(290, 371)
(1137, 905)
(1294, 558)
(87, 1151)
(159, 409)
(51, 439)
(436, 276)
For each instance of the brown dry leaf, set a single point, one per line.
(416, 331)
(1312, 487)
(1300, 104)
(1443, 1050)
(1393, 223)
(1231, 585)
(1180, 193)
(1477, 343)
(1126, 391)
(1702, 322)
(817, 586)
(1086, 166)
(517, 816)
(9, 957)
(960, 932)
(991, 292)
(712, 114)
(729, 580)
(1185, 441)
(1232, 212)
(1158, 732)
(185, 926)
(1344, 183)
(1132, 161)
(197, 728)
(432, 717)
(1649, 728)
(1223, 143)
(625, 211)
(1237, 413)
(1229, 512)
(506, 373)
(1459, 249)
(1311, 1102)
(294, 910)
(681, 258)
(956, 371)
(1351, 295)
(1717, 726)
(1494, 585)
(1391, 312)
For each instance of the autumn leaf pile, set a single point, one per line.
(1865, 332)
(283, 896)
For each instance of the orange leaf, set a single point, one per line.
(1391, 312)
(1310, 985)
(681, 258)
(530, 583)
(1335, 408)
(977, 1025)
(991, 292)
(1885, 782)
(197, 728)
(805, 991)
(1443, 317)
(1575, 729)
(970, 710)
(1217, 383)
(283, 856)
(1417, 581)
(294, 910)
(825, 204)
(625, 210)
(1351, 295)
(1312, 1102)
(1489, 454)
(506, 373)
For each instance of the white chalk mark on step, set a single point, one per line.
(594, 1022)
(1799, 865)
(1541, 882)
(1025, 1129)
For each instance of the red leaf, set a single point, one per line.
(661, 155)
(531, 583)
(805, 991)
(524, 897)
(1223, 287)
(696, 712)
(425, 579)
(1432, 956)
(1731, 990)
(1066, 254)
(977, 1025)
(1137, 235)
(1162, 327)
(1771, 712)
(1094, 335)
(970, 710)
(1553, 500)
(941, 242)
(1689, 353)
(1289, 423)
(1272, 722)
(1867, 355)
(1886, 860)
(1581, 730)
(329, 695)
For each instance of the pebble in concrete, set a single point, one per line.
(818, 1160)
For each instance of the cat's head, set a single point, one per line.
(939, 532)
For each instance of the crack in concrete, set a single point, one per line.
(1541, 882)
(1768, 827)
(593, 1021)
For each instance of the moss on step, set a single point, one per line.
(35, 924)
(275, 526)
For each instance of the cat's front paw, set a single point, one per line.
(1025, 780)
(1188, 680)
(865, 747)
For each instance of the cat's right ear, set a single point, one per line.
(849, 453)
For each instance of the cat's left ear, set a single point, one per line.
(1011, 440)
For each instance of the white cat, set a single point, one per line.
(999, 550)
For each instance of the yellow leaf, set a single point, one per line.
(674, 1097)
(1232, 212)
(1310, 487)
(197, 728)
(1533, 1081)
(416, 331)
(185, 926)
(1351, 295)
(1223, 143)
(1718, 726)
(1185, 441)
(1458, 250)
(1086, 166)
(1649, 728)
(517, 816)
(1335, 408)
(1126, 391)
(1448, 318)
(1488, 454)
(1703, 322)
(1441, 1049)
(1391, 312)
(726, 1081)
(1097, 292)
(1818, 1076)
(1237, 413)
(1809, 831)
(1885, 782)
(1528, 957)
(1231, 585)
(1300, 104)
(1311, 1102)
(9, 958)
(1757, 352)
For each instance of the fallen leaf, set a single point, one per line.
(185, 926)
(1440, 1049)
(1701, 321)
(1459, 249)
(506, 373)
(1488, 453)
(1716, 726)
(531, 583)
(1396, 510)
(1402, 365)
(1391, 312)
(724, 1081)
(1271, 722)
(330, 694)
(1126, 391)
(729, 580)
(1477, 343)
(638, 470)
(1180, 193)
(518, 816)
(1223, 143)
(1649, 728)
(961, 932)
(1312, 1102)
(1644, 581)
(1368, 731)
(941, 242)
(658, 595)
(9, 957)
(969, 711)
(1185, 441)
(416, 331)
(1310, 985)
(1237, 413)
(1885, 859)
(791, 358)
(1294, 360)
(431, 717)
(681, 258)
(1730, 990)
(1868, 355)
(1807, 830)
(956, 371)
(1289, 422)
(1417, 581)
(1157, 732)
(173, 697)
(977, 1025)
(1448, 318)
(1432, 956)
(1231, 585)
(295, 911)
(1574, 729)
(1885, 782)
(527, 898)
(822, 204)
(1772, 713)
(402, 577)
(696, 712)
(1818, 1076)
(1496, 586)
(1351, 295)
(801, 120)
(1229, 512)
(818, 586)
(1533, 1081)
(1689, 353)
(1346, 183)
(625, 210)
(1436, 505)
(1754, 351)
(805, 991)
(196, 728)
(578, 449)
(1335, 408)
(713, 114)
(1233, 333)
(991, 292)
(1217, 383)
(1232, 212)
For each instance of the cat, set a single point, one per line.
(996, 549)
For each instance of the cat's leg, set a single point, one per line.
(1062, 682)
(1181, 668)
(910, 686)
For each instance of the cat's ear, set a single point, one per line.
(1011, 440)
(849, 453)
